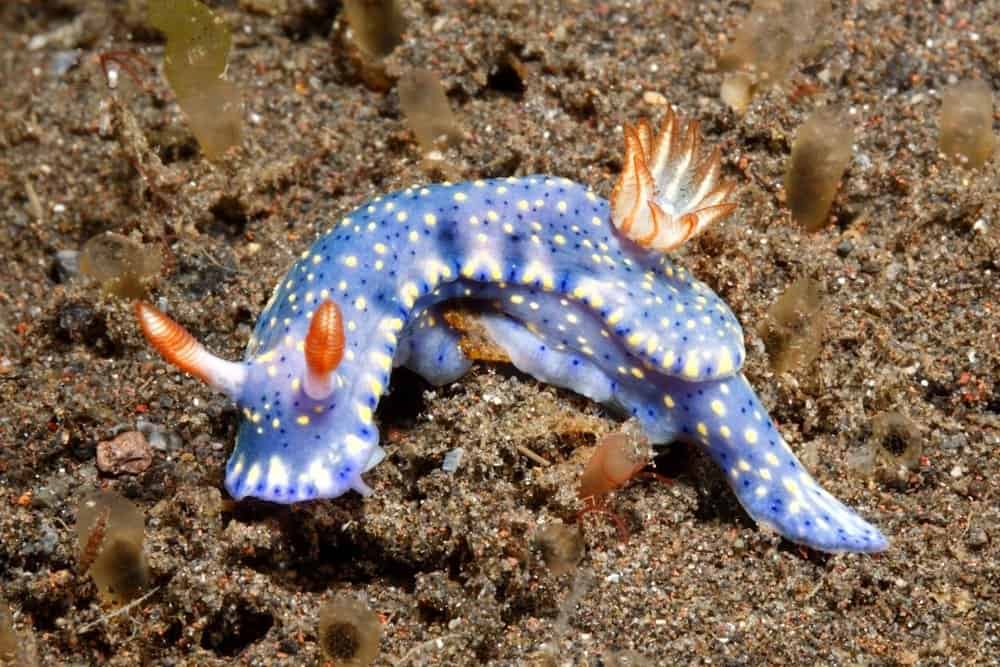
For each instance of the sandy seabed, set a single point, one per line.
(909, 268)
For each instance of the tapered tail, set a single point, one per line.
(726, 418)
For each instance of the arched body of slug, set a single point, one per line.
(579, 298)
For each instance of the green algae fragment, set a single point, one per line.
(198, 45)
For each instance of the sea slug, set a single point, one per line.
(576, 289)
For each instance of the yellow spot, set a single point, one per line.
(317, 259)
(718, 408)
(724, 430)
(523, 205)
(561, 206)
(516, 298)
(353, 445)
(253, 475)
(351, 261)
(616, 316)
(791, 485)
(571, 318)
(376, 387)
(430, 220)
(360, 303)
(460, 196)
(668, 359)
(559, 239)
(668, 401)
(794, 507)
(414, 236)
(725, 362)
(379, 264)
(761, 491)
(380, 248)
(296, 383)
(272, 371)
(401, 216)
(255, 417)
(765, 473)
(595, 221)
(302, 420)
(637, 372)
(702, 429)
(275, 423)
(509, 228)
(750, 435)
(409, 294)
(744, 466)
(691, 366)
(383, 360)
(492, 216)
(365, 413)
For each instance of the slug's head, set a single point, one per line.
(664, 195)
(293, 443)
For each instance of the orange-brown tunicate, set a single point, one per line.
(793, 328)
(110, 531)
(427, 110)
(194, 60)
(616, 460)
(967, 123)
(820, 154)
(349, 632)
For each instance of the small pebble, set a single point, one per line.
(977, 538)
(67, 264)
(129, 453)
(452, 460)
(844, 248)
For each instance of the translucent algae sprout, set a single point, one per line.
(967, 123)
(349, 632)
(775, 35)
(793, 328)
(820, 155)
(110, 531)
(8, 640)
(376, 25)
(561, 547)
(198, 45)
(120, 265)
(427, 110)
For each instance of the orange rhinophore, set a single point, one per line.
(324, 348)
(664, 196)
(180, 348)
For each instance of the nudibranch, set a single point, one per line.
(576, 289)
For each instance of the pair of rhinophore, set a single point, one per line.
(323, 349)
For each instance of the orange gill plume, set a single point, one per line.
(663, 196)
(180, 348)
(324, 348)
